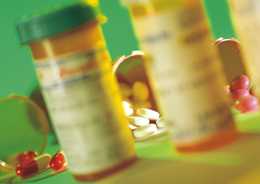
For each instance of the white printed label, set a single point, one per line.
(85, 107)
(188, 76)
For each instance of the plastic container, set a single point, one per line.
(81, 93)
(187, 73)
(232, 58)
(246, 20)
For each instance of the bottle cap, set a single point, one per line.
(54, 22)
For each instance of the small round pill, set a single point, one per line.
(140, 91)
(148, 113)
(138, 121)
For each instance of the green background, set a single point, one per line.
(16, 69)
(17, 76)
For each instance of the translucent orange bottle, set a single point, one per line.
(188, 78)
(75, 72)
(246, 19)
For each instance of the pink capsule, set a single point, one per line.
(247, 104)
(239, 93)
(241, 82)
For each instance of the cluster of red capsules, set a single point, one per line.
(30, 163)
(241, 93)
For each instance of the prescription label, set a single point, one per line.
(187, 73)
(85, 107)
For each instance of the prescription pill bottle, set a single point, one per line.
(232, 58)
(246, 20)
(80, 90)
(186, 69)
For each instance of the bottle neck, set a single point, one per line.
(86, 37)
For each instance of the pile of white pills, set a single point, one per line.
(144, 123)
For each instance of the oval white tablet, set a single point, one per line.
(161, 123)
(138, 121)
(148, 113)
(143, 132)
(132, 127)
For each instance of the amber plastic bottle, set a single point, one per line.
(188, 77)
(75, 73)
(245, 15)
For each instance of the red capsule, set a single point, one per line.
(239, 93)
(27, 169)
(247, 104)
(58, 162)
(26, 156)
(241, 82)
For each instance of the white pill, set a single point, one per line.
(144, 132)
(148, 113)
(132, 127)
(128, 108)
(138, 121)
(161, 123)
